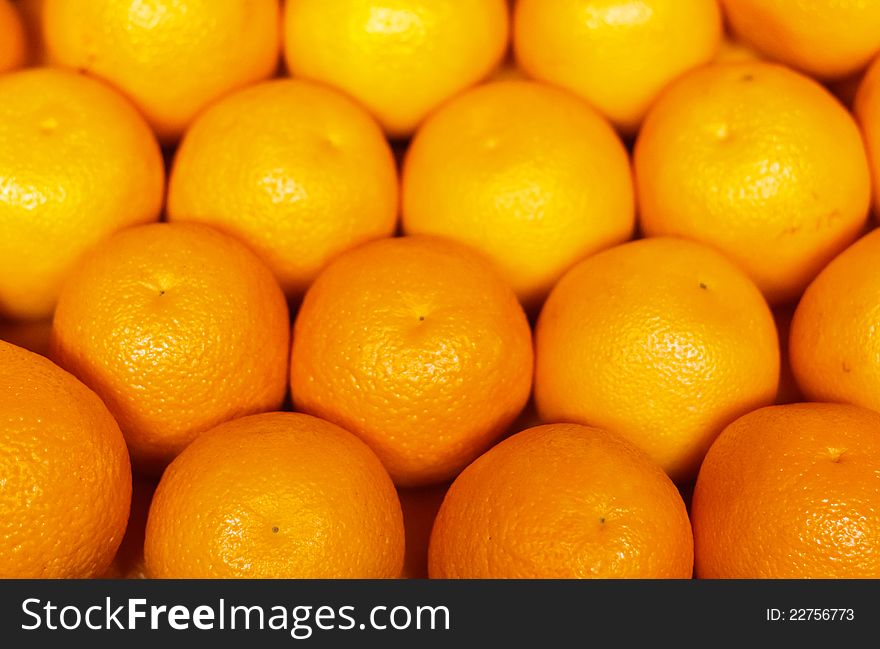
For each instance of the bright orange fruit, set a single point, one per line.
(527, 174)
(65, 478)
(77, 163)
(825, 38)
(399, 58)
(13, 49)
(867, 109)
(295, 170)
(758, 161)
(617, 54)
(419, 347)
(663, 341)
(562, 501)
(277, 495)
(790, 492)
(178, 328)
(171, 58)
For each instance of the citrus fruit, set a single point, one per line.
(825, 38)
(416, 345)
(419, 506)
(790, 492)
(13, 49)
(562, 501)
(834, 349)
(399, 58)
(178, 328)
(66, 479)
(733, 50)
(527, 174)
(663, 341)
(276, 495)
(867, 109)
(77, 163)
(33, 335)
(171, 58)
(617, 54)
(293, 169)
(759, 162)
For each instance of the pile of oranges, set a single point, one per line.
(446, 288)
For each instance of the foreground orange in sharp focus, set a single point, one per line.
(790, 492)
(562, 501)
(65, 477)
(276, 495)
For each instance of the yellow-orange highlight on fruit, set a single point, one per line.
(399, 58)
(828, 39)
(178, 328)
(663, 341)
(65, 477)
(758, 161)
(527, 174)
(790, 492)
(172, 58)
(418, 346)
(562, 501)
(77, 163)
(616, 54)
(277, 495)
(296, 170)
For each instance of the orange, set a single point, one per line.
(835, 353)
(867, 110)
(759, 162)
(129, 560)
(825, 38)
(31, 12)
(76, 163)
(296, 171)
(66, 478)
(172, 58)
(277, 495)
(417, 346)
(663, 341)
(178, 328)
(399, 58)
(420, 506)
(617, 54)
(790, 492)
(13, 46)
(562, 501)
(529, 175)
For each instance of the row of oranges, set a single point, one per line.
(517, 198)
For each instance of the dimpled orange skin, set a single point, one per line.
(178, 328)
(416, 345)
(825, 38)
(541, 181)
(13, 49)
(867, 110)
(66, 477)
(663, 341)
(399, 58)
(277, 495)
(833, 345)
(77, 163)
(760, 162)
(617, 54)
(790, 492)
(171, 57)
(248, 167)
(562, 501)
